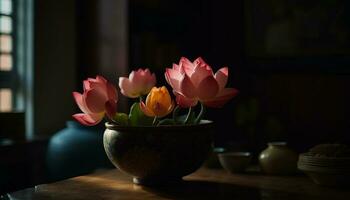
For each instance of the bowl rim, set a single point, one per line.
(236, 154)
(277, 143)
(203, 124)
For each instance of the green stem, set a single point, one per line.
(200, 115)
(175, 113)
(188, 115)
(154, 121)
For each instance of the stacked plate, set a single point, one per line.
(323, 170)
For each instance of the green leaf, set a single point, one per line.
(166, 122)
(182, 118)
(137, 118)
(122, 119)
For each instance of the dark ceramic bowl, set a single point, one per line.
(213, 161)
(160, 154)
(235, 162)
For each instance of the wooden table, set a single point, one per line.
(203, 184)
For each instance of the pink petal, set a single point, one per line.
(208, 88)
(186, 66)
(199, 61)
(111, 108)
(88, 119)
(221, 77)
(167, 77)
(94, 84)
(127, 88)
(146, 110)
(132, 75)
(185, 61)
(149, 83)
(137, 80)
(176, 67)
(173, 78)
(199, 74)
(185, 102)
(81, 104)
(187, 88)
(136, 77)
(174, 74)
(95, 100)
(92, 80)
(222, 98)
(86, 85)
(112, 92)
(139, 75)
(98, 84)
(142, 81)
(101, 79)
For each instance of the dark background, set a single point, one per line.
(289, 60)
(293, 90)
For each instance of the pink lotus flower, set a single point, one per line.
(139, 83)
(99, 98)
(193, 82)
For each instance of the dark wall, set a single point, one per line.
(54, 64)
(298, 97)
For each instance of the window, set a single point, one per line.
(16, 24)
(8, 71)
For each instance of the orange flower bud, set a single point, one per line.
(158, 103)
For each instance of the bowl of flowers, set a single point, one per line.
(161, 139)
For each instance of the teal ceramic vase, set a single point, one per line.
(75, 150)
(278, 159)
(158, 155)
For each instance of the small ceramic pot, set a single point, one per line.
(157, 155)
(278, 159)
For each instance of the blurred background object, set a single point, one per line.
(327, 164)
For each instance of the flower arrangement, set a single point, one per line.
(192, 83)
